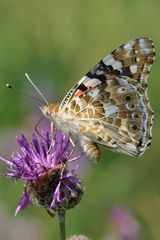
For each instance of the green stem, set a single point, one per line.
(61, 216)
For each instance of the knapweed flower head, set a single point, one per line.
(49, 171)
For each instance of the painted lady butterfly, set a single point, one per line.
(109, 105)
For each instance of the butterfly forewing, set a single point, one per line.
(133, 59)
(109, 105)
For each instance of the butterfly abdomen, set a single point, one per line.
(90, 149)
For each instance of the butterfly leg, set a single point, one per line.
(73, 148)
(73, 145)
(36, 128)
(52, 139)
(71, 140)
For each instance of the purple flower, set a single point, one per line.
(125, 223)
(49, 171)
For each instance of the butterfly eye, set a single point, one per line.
(133, 127)
(127, 98)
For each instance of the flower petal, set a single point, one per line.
(24, 202)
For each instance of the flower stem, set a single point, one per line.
(61, 216)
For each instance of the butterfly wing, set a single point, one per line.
(110, 104)
(133, 59)
(116, 114)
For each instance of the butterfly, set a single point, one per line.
(109, 105)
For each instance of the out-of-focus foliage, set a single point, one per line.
(56, 42)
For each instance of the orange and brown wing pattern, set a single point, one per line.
(116, 115)
(133, 59)
(109, 105)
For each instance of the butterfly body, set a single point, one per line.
(109, 105)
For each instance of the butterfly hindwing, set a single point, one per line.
(116, 115)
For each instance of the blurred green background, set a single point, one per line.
(56, 42)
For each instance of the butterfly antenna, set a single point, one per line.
(23, 94)
(27, 76)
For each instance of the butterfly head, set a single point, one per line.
(50, 111)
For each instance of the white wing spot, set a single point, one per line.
(133, 68)
(137, 59)
(93, 82)
(111, 61)
(143, 45)
(94, 93)
(128, 46)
